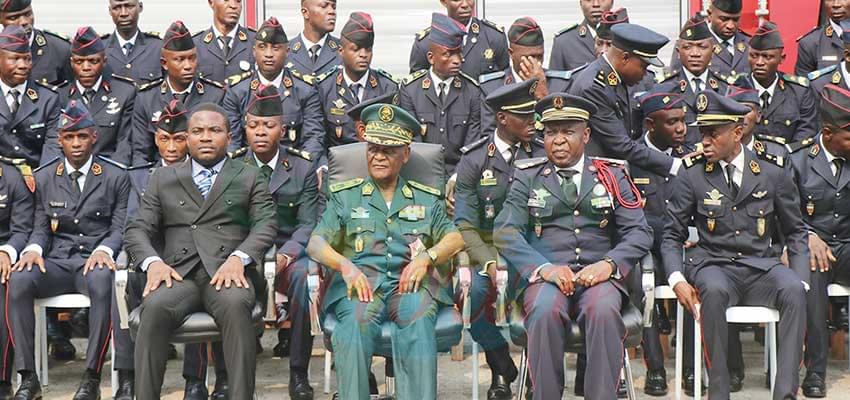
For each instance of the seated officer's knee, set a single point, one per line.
(411, 308)
(293, 279)
(546, 306)
(714, 291)
(235, 300)
(606, 304)
(99, 283)
(791, 291)
(21, 284)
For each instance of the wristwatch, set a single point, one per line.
(615, 272)
(432, 255)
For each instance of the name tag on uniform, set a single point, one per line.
(36, 126)
(830, 58)
(488, 178)
(60, 204)
(711, 202)
(536, 203)
(412, 213)
(641, 181)
(359, 213)
(600, 202)
(337, 111)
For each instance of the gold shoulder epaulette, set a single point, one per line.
(336, 187)
(425, 188)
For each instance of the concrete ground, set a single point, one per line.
(454, 378)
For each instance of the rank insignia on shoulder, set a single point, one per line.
(336, 187)
(425, 188)
(407, 192)
(530, 162)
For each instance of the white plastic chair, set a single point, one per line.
(666, 293)
(64, 301)
(836, 290)
(741, 315)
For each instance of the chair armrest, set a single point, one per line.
(120, 288)
(123, 261)
(269, 272)
(313, 289)
(464, 277)
(501, 304)
(647, 266)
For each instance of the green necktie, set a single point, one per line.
(267, 171)
(568, 186)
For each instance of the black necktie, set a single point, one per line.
(75, 182)
(128, 48)
(267, 170)
(698, 84)
(314, 53)
(765, 101)
(728, 45)
(15, 102)
(88, 95)
(839, 164)
(730, 173)
(181, 97)
(225, 45)
(568, 186)
(355, 91)
(442, 94)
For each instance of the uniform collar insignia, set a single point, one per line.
(368, 189)
(209, 37)
(96, 169)
(60, 169)
(754, 166)
(407, 192)
(242, 35)
(32, 94)
(709, 167)
(491, 149)
(373, 82)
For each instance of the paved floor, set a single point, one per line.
(454, 377)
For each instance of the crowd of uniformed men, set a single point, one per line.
(195, 153)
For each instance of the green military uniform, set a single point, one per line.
(381, 240)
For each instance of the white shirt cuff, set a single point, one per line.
(148, 261)
(674, 169)
(34, 248)
(323, 168)
(535, 276)
(13, 254)
(453, 178)
(106, 250)
(805, 285)
(676, 278)
(246, 259)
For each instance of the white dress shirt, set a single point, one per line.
(272, 163)
(702, 77)
(362, 82)
(308, 44)
(761, 89)
(22, 88)
(94, 87)
(231, 35)
(738, 162)
(504, 148)
(122, 42)
(274, 82)
(438, 81)
(725, 45)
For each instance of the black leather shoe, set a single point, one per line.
(656, 383)
(89, 389)
(578, 389)
(172, 352)
(736, 381)
(622, 390)
(281, 349)
(126, 389)
(662, 321)
(61, 349)
(195, 390)
(299, 387)
(814, 386)
(500, 388)
(688, 383)
(373, 384)
(6, 391)
(221, 391)
(30, 388)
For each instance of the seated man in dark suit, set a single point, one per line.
(383, 236)
(216, 219)
(81, 208)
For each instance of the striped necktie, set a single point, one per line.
(204, 181)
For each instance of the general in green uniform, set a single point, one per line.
(383, 235)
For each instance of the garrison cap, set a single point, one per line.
(767, 37)
(173, 118)
(564, 107)
(14, 39)
(716, 109)
(355, 111)
(271, 32)
(446, 32)
(609, 19)
(87, 42)
(517, 98)
(389, 125)
(360, 30)
(661, 97)
(178, 38)
(75, 117)
(640, 41)
(14, 5)
(695, 29)
(265, 102)
(729, 6)
(835, 106)
(526, 32)
(743, 92)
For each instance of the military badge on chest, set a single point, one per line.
(488, 178)
(412, 213)
(713, 200)
(538, 200)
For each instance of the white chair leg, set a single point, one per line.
(475, 371)
(114, 378)
(697, 360)
(767, 349)
(773, 361)
(848, 336)
(523, 376)
(327, 383)
(41, 335)
(680, 326)
(627, 369)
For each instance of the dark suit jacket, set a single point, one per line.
(142, 64)
(31, 133)
(614, 125)
(735, 230)
(214, 64)
(299, 59)
(573, 47)
(16, 208)
(70, 228)
(112, 110)
(238, 214)
(51, 58)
